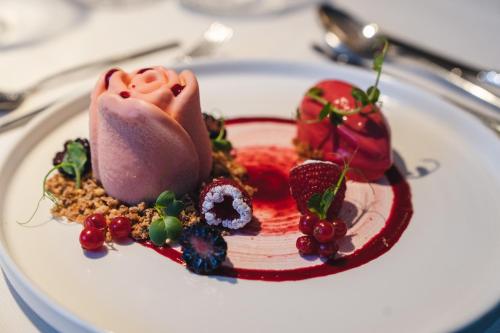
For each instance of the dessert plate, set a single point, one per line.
(442, 274)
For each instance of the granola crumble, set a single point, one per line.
(76, 204)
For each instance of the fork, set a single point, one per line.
(216, 34)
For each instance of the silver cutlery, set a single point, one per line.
(212, 38)
(347, 40)
(10, 101)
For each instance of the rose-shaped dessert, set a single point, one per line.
(363, 138)
(147, 134)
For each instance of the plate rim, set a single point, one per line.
(60, 317)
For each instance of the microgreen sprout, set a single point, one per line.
(362, 98)
(319, 203)
(73, 164)
(220, 143)
(167, 226)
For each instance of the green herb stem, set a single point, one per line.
(333, 109)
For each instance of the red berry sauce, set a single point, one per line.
(277, 216)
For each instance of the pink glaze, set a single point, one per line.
(368, 132)
(143, 139)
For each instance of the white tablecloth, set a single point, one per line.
(465, 30)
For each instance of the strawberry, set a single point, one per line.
(314, 177)
(225, 202)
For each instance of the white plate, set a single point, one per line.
(442, 274)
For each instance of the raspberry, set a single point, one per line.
(313, 177)
(225, 202)
(203, 248)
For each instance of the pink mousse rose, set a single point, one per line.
(147, 134)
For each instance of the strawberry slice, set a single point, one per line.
(314, 177)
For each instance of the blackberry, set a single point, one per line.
(214, 126)
(59, 158)
(203, 248)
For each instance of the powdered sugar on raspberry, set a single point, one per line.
(216, 195)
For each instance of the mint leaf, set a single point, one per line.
(158, 232)
(324, 111)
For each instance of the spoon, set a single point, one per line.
(355, 42)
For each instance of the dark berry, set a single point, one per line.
(203, 248)
(91, 238)
(59, 158)
(340, 228)
(177, 89)
(96, 220)
(307, 223)
(214, 125)
(120, 227)
(327, 250)
(323, 231)
(306, 245)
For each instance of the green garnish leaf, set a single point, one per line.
(173, 227)
(374, 94)
(75, 159)
(164, 199)
(319, 203)
(158, 232)
(222, 145)
(315, 92)
(175, 208)
(324, 112)
(360, 96)
(314, 204)
(167, 205)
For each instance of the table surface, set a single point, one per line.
(459, 29)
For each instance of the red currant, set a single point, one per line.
(327, 250)
(307, 222)
(340, 228)
(323, 231)
(95, 220)
(306, 245)
(91, 238)
(120, 227)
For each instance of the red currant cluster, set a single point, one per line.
(321, 236)
(93, 234)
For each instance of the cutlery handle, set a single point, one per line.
(453, 88)
(450, 86)
(103, 62)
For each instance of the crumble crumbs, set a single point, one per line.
(305, 151)
(76, 204)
